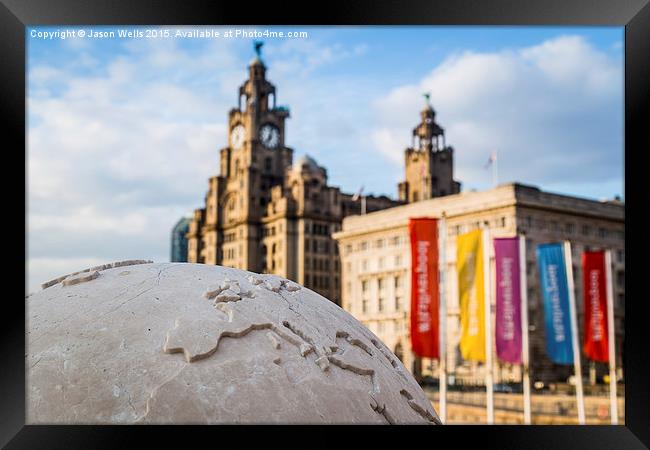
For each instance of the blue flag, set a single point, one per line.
(555, 291)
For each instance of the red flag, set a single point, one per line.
(424, 287)
(595, 303)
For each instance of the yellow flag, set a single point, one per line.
(469, 264)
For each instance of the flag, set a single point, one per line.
(469, 261)
(555, 291)
(508, 301)
(424, 287)
(491, 159)
(356, 196)
(594, 284)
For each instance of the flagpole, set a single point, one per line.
(611, 336)
(574, 333)
(495, 170)
(487, 290)
(523, 294)
(442, 367)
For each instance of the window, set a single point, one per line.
(364, 286)
(620, 278)
(398, 303)
(364, 305)
(586, 230)
(620, 256)
(348, 248)
(398, 261)
(364, 265)
(380, 327)
(380, 284)
(398, 282)
(380, 304)
(602, 233)
(380, 263)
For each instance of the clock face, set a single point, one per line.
(270, 136)
(237, 136)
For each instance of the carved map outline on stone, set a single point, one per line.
(201, 339)
(128, 262)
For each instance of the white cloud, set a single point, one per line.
(552, 111)
(115, 157)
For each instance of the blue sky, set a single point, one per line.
(123, 133)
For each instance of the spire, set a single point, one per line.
(257, 60)
(258, 48)
(427, 101)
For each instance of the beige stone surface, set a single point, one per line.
(192, 343)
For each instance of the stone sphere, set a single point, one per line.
(142, 343)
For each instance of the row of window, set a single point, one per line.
(459, 229)
(395, 241)
(381, 264)
(320, 264)
(230, 253)
(382, 304)
(319, 281)
(270, 231)
(390, 327)
(320, 246)
(571, 228)
(319, 229)
(398, 282)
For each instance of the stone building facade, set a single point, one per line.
(376, 262)
(264, 212)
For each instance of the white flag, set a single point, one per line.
(491, 160)
(358, 194)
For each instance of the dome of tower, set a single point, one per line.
(306, 160)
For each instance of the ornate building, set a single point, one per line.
(429, 162)
(265, 213)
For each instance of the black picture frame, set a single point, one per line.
(15, 15)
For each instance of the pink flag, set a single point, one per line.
(508, 304)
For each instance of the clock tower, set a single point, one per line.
(263, 211)
(429, 162)
(256, 157)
